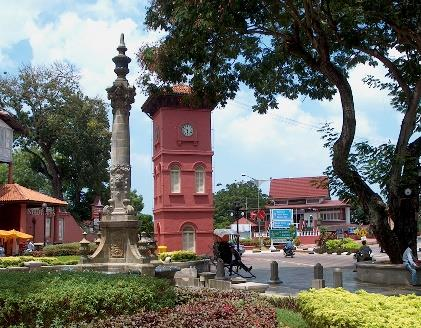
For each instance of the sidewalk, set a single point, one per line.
(297, 273)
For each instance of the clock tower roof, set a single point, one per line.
(179, 96)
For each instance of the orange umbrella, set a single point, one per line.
(5, 234)
(21, 235)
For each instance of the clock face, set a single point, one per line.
(408, 191)
(187, 130)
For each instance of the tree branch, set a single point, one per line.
(393, 70)
(40, 159)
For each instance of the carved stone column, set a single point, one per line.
(119, 225)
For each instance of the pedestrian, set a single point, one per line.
(29, 248)
(364, 254)
(409, 262)
(2, 251)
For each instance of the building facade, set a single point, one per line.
(309, 198)
(182, 172)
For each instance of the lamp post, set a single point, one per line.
(257, 182)
(44, 211)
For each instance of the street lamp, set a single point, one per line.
(44, 210)
(257, 182)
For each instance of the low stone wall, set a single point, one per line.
(382, 273)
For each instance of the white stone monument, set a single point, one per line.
(119, 249)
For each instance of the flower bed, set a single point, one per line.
(330, 307)
(203, 308)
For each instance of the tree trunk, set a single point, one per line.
(53, 171)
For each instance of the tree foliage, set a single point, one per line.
(245, 193)
(290, 48)
(66, 133)
(24, 173)
(145, 220)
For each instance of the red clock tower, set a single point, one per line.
(182, 160)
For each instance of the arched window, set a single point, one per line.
(175, 178)
(200, 179)
(189, 238)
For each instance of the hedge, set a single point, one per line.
(179, 256)
(42, 300)
(65, 249)
(330, 307)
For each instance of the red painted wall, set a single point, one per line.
(172, 211)
(35, 226)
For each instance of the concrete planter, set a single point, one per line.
(384, 273)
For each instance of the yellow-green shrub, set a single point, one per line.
(329, 307)
(17, 261)
(344, 245)
(179, 256)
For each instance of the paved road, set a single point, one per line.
(297, 273)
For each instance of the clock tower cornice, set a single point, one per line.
(174, 101)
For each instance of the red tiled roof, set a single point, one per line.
(292, 188)
(14, 193)
(324, 204)
(181, 89)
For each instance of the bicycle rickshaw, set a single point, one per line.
(225, 248)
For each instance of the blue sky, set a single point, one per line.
(282, 143)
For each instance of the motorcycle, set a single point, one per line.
(289, 252)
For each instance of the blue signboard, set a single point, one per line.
(280, 224)
(281, 218)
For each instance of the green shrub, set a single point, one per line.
(40, 299)
(249, 242)
(330, 307)
(65, 249)
(179, 256)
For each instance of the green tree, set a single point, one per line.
(307, 48)
(245, 193)
(145, 220)
(66, 133)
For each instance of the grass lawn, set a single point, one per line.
(290, 319)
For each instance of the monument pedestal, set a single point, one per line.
(119, 244)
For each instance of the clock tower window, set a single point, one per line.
(200, 179)
(175, 179)
(189, 237)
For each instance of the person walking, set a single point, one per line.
(409, 262)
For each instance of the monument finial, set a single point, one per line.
(121, 61)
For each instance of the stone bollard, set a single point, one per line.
(318, 281)
(274, 277)
(337, 278)
(220, 270)
(84, 248)
(318, 271)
